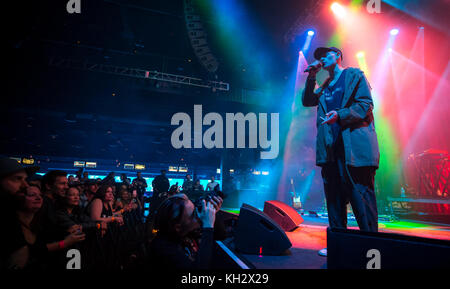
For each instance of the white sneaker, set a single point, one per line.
(323, 252)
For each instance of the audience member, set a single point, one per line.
(127, 202)
(12, 180)
(54, 186)
(39, 228)
(100, 208)
(141, 186)
(85, 177)
(184, 237)
(35, 253)
(110, 179)
(174, 189)
(212, 185)
(71, 217)
(198, 187)
(124, 183)
(188, 184)
(91, 188)
(78, 174)
(161, 183)
(196, 192)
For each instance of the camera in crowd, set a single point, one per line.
(174, 189)
(208, 197)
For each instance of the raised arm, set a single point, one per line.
(309, 97)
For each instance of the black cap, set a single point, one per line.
(9, 166)
(322, 51)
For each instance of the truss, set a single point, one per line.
(138, 73)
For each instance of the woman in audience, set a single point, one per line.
(100, 208)
(124, 202)
(70, 214)
(34, 255)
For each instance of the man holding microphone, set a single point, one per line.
(346, 144)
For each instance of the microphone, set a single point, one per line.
(311, 67)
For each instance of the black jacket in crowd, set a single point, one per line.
(166, 252)
(161, 184)
(77, 217)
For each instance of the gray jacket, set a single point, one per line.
(355, 118)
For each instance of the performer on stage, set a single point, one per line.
(346, 144)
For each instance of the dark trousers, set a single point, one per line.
(359, 191)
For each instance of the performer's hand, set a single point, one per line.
(331, 117)
(312, 72)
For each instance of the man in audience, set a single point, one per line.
(12, 181)
(79, 173)
(85, 177)
(110, 179)
(141, 185)
(125, 182)
(54, 187)
(212, 184)
(188, 184)
(161, 183)
(55, 184)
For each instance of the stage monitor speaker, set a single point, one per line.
(352, 249)
(257, 233)
(284, 215)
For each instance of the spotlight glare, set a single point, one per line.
(360, 54)
(310, 32)
(394, 31)
(338, 10)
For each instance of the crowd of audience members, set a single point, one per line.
(44, 217)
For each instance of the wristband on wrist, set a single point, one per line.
(112, 219)
(61, 244)
(99, 226)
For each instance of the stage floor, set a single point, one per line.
(311, 236)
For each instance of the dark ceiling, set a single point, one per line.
(57, 111)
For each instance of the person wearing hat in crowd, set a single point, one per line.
(13, 246)
(346, 144)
